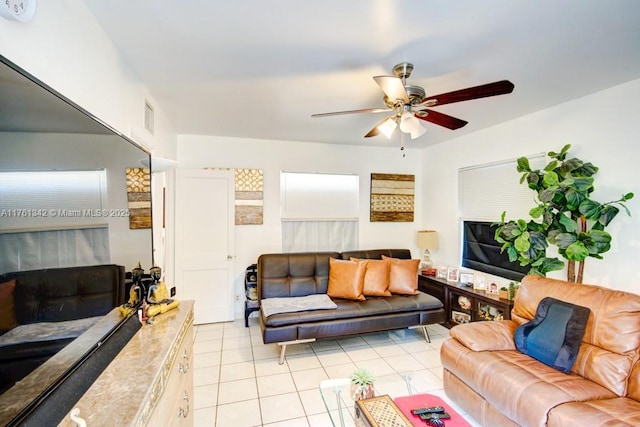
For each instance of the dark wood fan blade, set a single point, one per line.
(392, 87)
(366, 110)
(445, 120)
(490, 89)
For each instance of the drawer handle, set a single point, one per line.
(183, 369)
(184, 413)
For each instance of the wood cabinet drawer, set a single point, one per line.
(178, 391)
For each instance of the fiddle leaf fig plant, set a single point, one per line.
(564, 216)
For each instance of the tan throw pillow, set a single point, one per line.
(376, 279)
(346, 279)
(403, 275)
(8, 319)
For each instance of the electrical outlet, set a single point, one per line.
(173, 291)
(237, 297)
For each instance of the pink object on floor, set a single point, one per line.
(408, 403)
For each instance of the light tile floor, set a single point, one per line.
(238, 381)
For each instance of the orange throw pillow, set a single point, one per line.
(403, 275)
(8, 319)
(346, 279)
(376, 279)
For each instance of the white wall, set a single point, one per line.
(603, 128)
(275, 156)
(65, 47)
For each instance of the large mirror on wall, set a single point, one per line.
(66, 181)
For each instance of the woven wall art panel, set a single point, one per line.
(139, 197)
(249, 192)
(392, 197)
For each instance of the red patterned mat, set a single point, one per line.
(407, 403)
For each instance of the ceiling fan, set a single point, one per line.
(410, 106)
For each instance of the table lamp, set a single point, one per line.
(427, 239)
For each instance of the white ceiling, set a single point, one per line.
(259, 69)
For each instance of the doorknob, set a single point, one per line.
(229, 257)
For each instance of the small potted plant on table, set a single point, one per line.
(361, 384)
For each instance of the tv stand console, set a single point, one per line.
(463, 304)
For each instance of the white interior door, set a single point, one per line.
(204, 246)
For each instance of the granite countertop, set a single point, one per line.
(24, 391)
(126, 392)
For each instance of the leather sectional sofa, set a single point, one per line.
(302, 274)
(500, 386)
(50, 308)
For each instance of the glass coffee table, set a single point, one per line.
(336, 394)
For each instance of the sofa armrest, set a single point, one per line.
(486, 336)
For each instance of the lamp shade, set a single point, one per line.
(427, 239)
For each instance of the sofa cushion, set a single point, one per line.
(612, 337)
(346, 279)
(555, 334)
(403, 275)
(619, 411)
(372, 306)
(8, 319)
(520, 387)
(376, 279)
(486, 336)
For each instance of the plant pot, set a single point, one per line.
(504, 294)
(359, 392)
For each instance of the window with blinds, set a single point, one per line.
(484, 192)
(49, 200)
(319, 212)
(487, 190)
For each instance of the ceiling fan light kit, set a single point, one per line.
(410, 105)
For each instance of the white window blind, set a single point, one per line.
(487, 190)
(313, 196)
(48, 200)
(319, 211)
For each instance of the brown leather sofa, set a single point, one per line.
(302, 274)
(499, 386)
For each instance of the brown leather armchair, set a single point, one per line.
(498, 385)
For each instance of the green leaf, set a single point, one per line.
(573, 199)
(533, 179)
(583, 184)
(550, 179)
(570, 165)
(590, 209)
(552, 264)
(547, 195)
(569, 224)
(538, 241)
(564, 240)
(523, 165)
(607, 214)
(536, 212)
(577, 251)
(599, 236)
(551, 166)
(522, 242)
(522, 225)
(587, 169)
(627, 196)
(513, 254)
